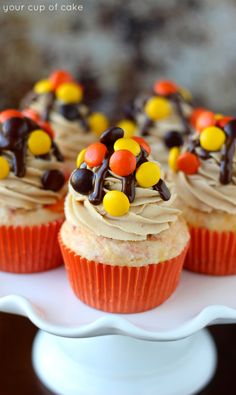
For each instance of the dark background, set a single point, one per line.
(17, 376)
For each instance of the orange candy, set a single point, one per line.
(29, 113)
(59, 77)
(223, 121)
(165, 87)
(94, 155)
(143, 144)
(195, 115)
(188, 163)
(122, 163)
(205, 119)
(7, 114)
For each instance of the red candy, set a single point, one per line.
(94, 155)
(143, 144)
(195, 115)
(7, 114)
(29, 113)
(188, 163)
(223, 121)
(122, 163)
(165, 87)
(205, 119)
(59, 77)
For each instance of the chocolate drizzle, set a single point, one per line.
(97, 195)
(128, 187)
(177, 99)
(163, 190)
(50, 99)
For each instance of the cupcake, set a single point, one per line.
(205, 180)
(162, 117)
(59, 101)
(123, 242)
(32, 190)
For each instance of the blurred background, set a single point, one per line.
(119, 48)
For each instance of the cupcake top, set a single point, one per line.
(59, 100)
(205, 170)
(162, 117)
(117, 192)
(30, 163)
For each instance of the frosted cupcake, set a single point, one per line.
(31, 195)
(162, 118)
(123, 242)
(205, 179)
(59, 101)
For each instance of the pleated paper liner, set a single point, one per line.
(211, 252)
(30, 249)
(122, 289)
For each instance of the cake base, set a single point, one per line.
(122, 365)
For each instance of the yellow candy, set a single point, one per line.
(212, 138)
(4, 168)
(80, 158)
(69, 93)
(186, 95)
(127, 144)
(43, 86)
(128, 126)
(148, 174)
(39, 142)
(116, 203)
(173, 156)
(98, 122)
(157, 108)
(219, 116)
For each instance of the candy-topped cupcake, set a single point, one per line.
(123, 241)
(161, 117)
(59, 100)
(205, 178)
(32, 189)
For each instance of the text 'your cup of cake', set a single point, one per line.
(123, 242)
(32, 190)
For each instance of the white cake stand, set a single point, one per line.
(164, 351)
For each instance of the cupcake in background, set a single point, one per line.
(32, 190)
(59, 101)
(123, 242)
(162, 117)
(205, 179)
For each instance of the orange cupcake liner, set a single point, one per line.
(211, 252)
(30, 249)
(122, 289)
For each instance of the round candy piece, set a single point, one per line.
(53, 180)
(212, 138)
(157, 108)
(128, 126)
(39, 142)
(69, 92)
(165, 87)
(7, 114)
(142, 144)
(69, 111)
(111, 135)
(116, 203)
(80, 158)
(82, 181)
(14, 128)
(59, 77)
(172, 159)
(42, 87)
(195, 115)
(31, 114)
(173, 139)
(122, 163)
(94, 155)
(148, 174)
(4, 168)
(98, 122)
(127, 144)
(205, 119)
(188, 163)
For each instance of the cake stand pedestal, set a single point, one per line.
(82, 351)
